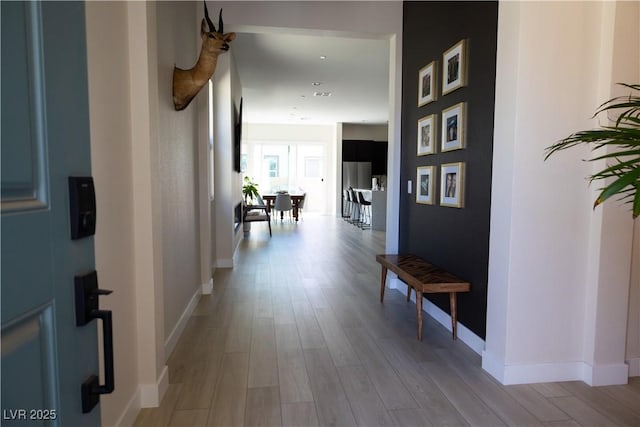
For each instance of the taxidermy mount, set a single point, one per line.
(187, 83)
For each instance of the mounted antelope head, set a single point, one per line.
(187, 83)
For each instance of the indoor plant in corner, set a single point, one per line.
(249, 190)
(623, 158)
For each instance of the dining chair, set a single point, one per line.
(301, 205)
(283, 203)
(256, 213)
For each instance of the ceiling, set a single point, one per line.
(280, 73)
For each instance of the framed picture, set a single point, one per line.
(453, 127)
(454, 67)
(426, 135)
(424, 190)
(452, 184)
(427, 84)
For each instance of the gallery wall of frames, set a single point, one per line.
(449, 56)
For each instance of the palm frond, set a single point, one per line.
(624, 138)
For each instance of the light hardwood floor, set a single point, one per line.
(295, 335)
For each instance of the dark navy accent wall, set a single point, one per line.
(452, 238)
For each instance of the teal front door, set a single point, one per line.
(45, 139)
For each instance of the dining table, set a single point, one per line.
(270, 199)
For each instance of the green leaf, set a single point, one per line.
(617, 154)
(621, 140)
(618, 185)
(611, 170)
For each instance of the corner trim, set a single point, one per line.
(151, 394)
(207, 288)
(130, 412)
(634, 367)
(606, 374)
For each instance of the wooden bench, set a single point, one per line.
(424, 277)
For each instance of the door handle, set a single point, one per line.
(87, 309)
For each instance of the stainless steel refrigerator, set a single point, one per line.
(356, 175)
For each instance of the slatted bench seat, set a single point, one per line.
(424, 277)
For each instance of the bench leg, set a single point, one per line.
(419, 309)
(383, 281)
(454, 318)
(408, 293)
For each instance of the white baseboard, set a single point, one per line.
(207, 288)
(597, 375)
(130, 413)
(493, 366)
(464, 334)
(634, 367)
(606, 374)
(175, 334)
(224, 263)
(151, 394)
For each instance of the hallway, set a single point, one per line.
(295, 335)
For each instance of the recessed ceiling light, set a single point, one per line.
(316, 83)
(323, 57)
(321, 93)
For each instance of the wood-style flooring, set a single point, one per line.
(295, 335)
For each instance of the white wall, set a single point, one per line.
(556, 304)
(227, 181)
(177, 172)
(112, 170)
(144, 157)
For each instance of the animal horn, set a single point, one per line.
(212, 28)
(220, 23)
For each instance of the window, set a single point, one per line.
(271, 166)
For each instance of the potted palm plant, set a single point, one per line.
(249, 190)
(622, 170)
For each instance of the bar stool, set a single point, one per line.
(366, 213)
(355, 208)
(346, 205)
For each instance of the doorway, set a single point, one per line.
(296, 167)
